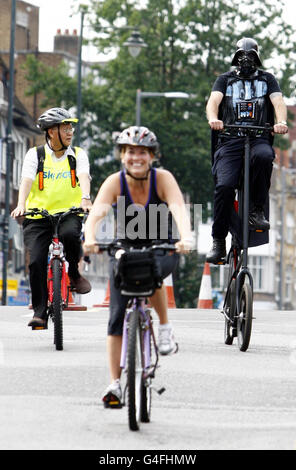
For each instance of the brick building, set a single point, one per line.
(66, 45)
(283, 193)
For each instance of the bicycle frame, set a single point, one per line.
(138, 303)
(239, 313)
(244, 200)
(57, 284)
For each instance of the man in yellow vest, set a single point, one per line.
(49, 182)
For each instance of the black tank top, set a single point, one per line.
(139, 225)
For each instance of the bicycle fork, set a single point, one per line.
(145, 331)
(56, 251)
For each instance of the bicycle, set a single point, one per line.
(57, 282)
(139, 353)
(238, 301)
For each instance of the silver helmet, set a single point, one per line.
(138, 136)
(54, 116)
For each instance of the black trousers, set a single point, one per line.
(37, 238)
(227, 168)
(118, 302)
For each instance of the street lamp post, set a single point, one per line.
(8, 155)
(83, 11)
(134, 44)
(150, 94)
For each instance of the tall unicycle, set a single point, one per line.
(57, 304)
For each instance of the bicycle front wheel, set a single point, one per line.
(134, 371)
(57, 304)
(230, 301)
(245, 316)
(146, 385)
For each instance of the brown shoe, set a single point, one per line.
(38, 323)
(81, 285)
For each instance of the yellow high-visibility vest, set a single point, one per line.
(58, 194)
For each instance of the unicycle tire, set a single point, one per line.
(245, 316)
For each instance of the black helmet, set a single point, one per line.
(135, 135)
(247, 45)
(54, 116)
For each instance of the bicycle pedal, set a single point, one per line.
(160, 391)
(257, 230)
(113, 404)
(39, 327)
(111, 401)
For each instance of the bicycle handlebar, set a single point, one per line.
(118, 245)
(267, 127)
(44, 213)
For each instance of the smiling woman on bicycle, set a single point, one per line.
(136, 193)
(49, 182)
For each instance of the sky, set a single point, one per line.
(56, 14)
(60, 14)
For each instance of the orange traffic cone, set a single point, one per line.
(205, 293)
(106, 301)
(168, 282)
(71, 304)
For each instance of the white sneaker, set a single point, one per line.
(166, 340)
(112, 397)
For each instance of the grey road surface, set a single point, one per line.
(216, 396)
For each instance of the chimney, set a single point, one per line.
(66, 42)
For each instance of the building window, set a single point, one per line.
(262, 270)
(22, 18)
(288, 283)
(256, 268)
(3, 157)
(289, 228)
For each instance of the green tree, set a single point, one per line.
(52, 85)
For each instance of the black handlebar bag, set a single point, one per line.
(137, 273)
